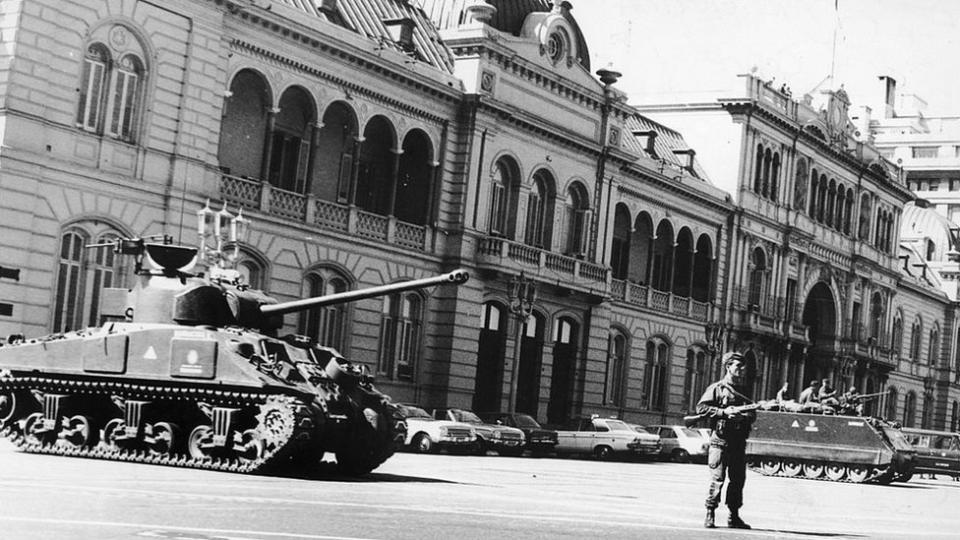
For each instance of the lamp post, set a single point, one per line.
(713, 331)
(523, 294)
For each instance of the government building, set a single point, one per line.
(614, 250)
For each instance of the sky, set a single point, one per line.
(669, 50)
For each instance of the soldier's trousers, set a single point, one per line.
(724, 461)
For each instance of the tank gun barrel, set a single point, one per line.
(456, 277)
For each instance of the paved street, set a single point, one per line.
(441, 496)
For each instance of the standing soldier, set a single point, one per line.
(729, 439)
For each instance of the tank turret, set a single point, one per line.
(166, 292)
(187, 371)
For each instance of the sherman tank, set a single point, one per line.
(191, 373)
(828, 447)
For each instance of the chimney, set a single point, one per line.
(889, 95)
(647, 139)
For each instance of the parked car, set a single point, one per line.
(938, 452)
(504, 440)
(426, 434)
(605, 438)
(681, 444)
(540, 440)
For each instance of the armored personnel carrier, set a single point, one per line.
(828, 447)
(192, 374)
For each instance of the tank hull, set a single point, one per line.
(216, 398)
(827, 447)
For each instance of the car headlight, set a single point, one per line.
(496, 434)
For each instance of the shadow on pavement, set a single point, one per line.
(808, 533)
(327, 471)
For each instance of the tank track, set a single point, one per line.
(279, 419)
(878, 474)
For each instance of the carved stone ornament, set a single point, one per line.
(487, 79)
(120, 38)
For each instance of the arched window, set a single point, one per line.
(896, 337)
(401, 325)
(327, 325)
(758, 172)
(876, 316)
(251, 271)
(915, 339)
(537, 210)
(926, 416)
(931, 249)
(655, 374)
(891, 405)
(697, 376)
(758, 270)
(290, 141)
(617, 369)
(111, 88)
(503, 189)
(909, 409)
(83, 273)
(620, 243)
(775, 178)
(577, 215)
(933, 349)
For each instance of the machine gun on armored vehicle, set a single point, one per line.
(193, 375)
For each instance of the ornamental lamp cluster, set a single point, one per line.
(219, 235)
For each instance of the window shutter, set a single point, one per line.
(303, 159)
(343, 179)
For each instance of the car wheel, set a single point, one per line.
(680, 456)
(603, 453)
(422, 444)
(481, 448)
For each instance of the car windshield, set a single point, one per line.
(524, 420)
(465, 416)
(691, 432)
(617, 425)
(414, 412)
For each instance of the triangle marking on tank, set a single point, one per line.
(150, 354)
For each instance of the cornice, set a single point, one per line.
(354, 87)
(530, 123)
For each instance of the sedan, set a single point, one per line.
(540, 441)
(681, 444)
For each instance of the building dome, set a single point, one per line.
(509, 17)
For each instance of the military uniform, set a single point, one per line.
(727, 454)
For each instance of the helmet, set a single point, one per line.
(730, 357)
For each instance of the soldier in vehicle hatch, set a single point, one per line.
(731, 427)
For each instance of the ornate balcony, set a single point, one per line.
(497, 253)
(286, 205)
(659, 301)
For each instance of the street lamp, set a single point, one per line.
(523, 294)
(713, 331)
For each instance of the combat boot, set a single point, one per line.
(734, 521)
(708, 521)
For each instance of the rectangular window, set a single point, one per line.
(924, 151)
(934, 185)
(343, 179)
(534, 233)
(124, 94)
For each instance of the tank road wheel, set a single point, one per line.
(857, 473)
(8, 408)
(770, 466)
(422, 444)
(32, 427)
(76, 432)
(370, 438)
(164, 438)
(110, 433)
(250, 448)
(200, 442)
(835, 472)
(813, 470)
(791, 467)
